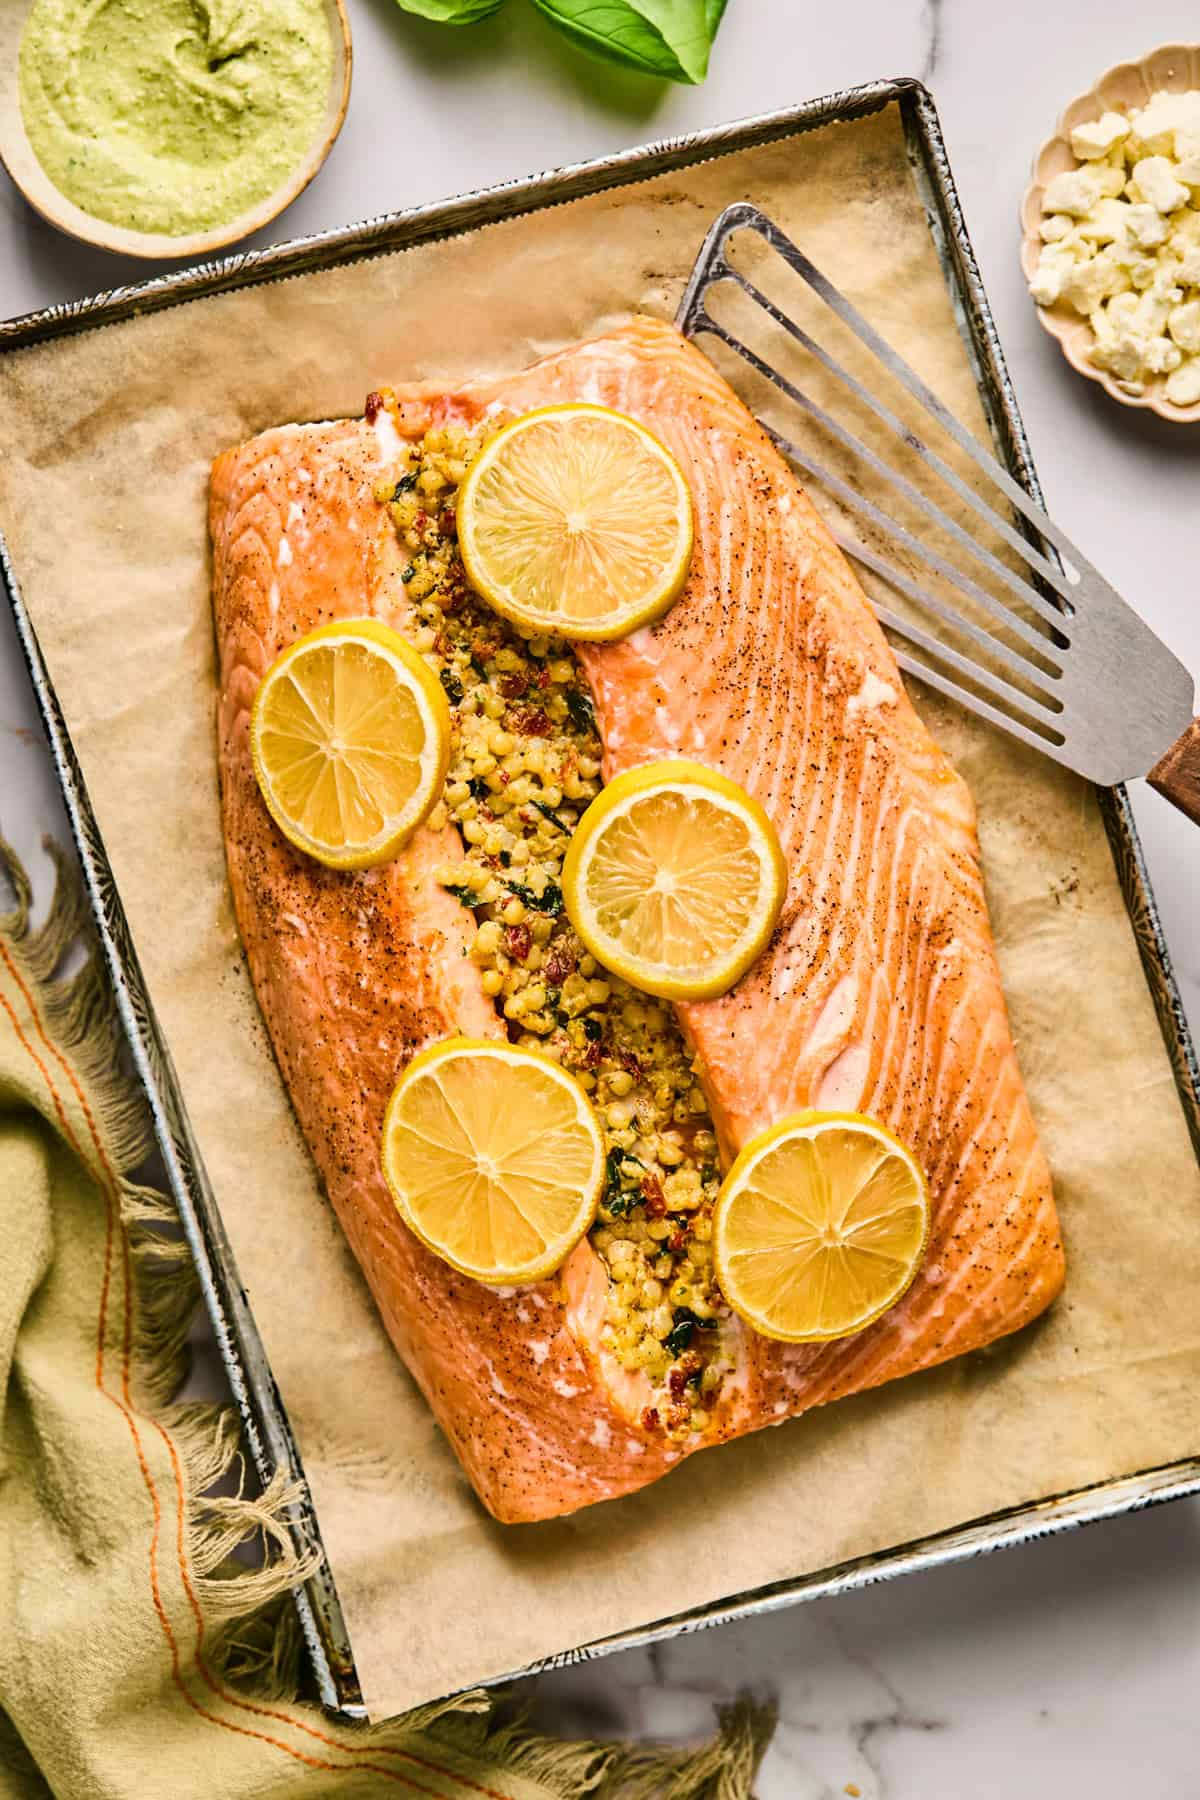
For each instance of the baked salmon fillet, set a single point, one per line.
(878, 993)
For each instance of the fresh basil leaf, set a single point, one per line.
(679, 1336)
(580, 709)
(612, 1171)
(550, 899)
(451, 12)
(662, 37)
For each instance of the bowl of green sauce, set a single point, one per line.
(167, 128)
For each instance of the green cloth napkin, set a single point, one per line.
(137, 1657)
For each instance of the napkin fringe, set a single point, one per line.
(77, 1004)
(253, 1638)
(723, 1769)
(567, 1771)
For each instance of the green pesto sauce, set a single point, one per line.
(173, 116)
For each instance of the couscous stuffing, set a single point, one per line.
(525, 762)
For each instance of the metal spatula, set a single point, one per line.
(1059, 660)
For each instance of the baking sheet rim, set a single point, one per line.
(249, 1373)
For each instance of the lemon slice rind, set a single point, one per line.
(418, 681)
(882, 1278)
(456, 1169)
(480, 514)
(707, 975)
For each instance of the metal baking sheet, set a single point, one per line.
(266, 1425)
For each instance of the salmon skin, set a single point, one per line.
(878, 993)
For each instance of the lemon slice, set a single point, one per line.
(820, 1226)
(576, 520)
(350, 737)
(494, 1157)
(674, 879)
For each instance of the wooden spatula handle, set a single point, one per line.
(1177, 774)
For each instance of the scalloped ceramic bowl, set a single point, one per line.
(1175, 68)
(17, 156)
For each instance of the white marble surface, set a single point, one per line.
(1070, 1667)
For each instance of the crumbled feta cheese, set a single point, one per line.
(1121, 243)
(1075, 191)
(1183, 387)
(1153, 311)
(1153, 180)
(1087, 283)
(1119, 345)
(1155, 125)
(1121, 311)
(1162, 356)
(1142, 270)
(1183, 323)
(1054, 265)
(1146, 226)
(1096, 137)
(1108, 222)
(1122, 356)
(1129, 339)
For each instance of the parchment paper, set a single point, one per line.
(105, 442)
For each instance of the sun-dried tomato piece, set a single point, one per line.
(518, 940)
(559, 964)
(652, 1193)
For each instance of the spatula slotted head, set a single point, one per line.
(998, 611)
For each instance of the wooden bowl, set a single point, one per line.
(16, 153)
(1175, 68)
